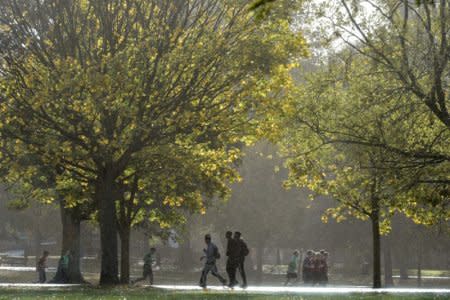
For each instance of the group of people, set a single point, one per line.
(62, 273)
(314, 267)
(236, 252)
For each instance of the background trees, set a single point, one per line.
(391, 69)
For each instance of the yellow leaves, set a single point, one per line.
(173, 201)
(203, 211)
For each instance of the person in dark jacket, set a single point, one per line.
(233, 251)
(308, 267)
(211, 255)
(243, 252)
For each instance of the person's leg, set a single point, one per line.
(150, 276)
(204, 275)
(234, 268)
(142, 278)
(215, 273)
(65, 277)
(306, 276)
(242, 272)
(41, 277)
(231, 270)
(287, 280)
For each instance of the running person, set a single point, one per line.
(147, 271)
(211, 255)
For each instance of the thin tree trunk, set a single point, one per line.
(71, 241)
(388, 280)
(108, 231)
(37, 241)
(125, 256)
(278, 256)
(376, 250)
(403, 266)
(259, 262)
(375, 218)
(419, 263)
(185, 253)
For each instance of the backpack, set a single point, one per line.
(244, 249)
(216, 253)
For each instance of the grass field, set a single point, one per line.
(142, 292)
(123, 293)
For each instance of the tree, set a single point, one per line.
(411, 43)
(31, 182)
(339, 114)
(91, 86)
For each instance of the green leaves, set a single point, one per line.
(149, 89)
(355, 137)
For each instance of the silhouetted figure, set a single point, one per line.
(243, 252)
(211, 255)
(323, 267)
(147, 270)
(293, 267)
(308, 267)
(233, 254)
(41, 266)
(316, 268)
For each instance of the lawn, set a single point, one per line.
(123, 293)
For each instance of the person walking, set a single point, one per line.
(243, 252)
(211, 255)
(292, 267)
(233, 251)
(41, 266)
(147, 270)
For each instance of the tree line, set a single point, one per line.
(134, 111)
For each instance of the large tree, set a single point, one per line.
(91, 86)
(342, 112)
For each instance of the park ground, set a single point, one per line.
(126, 293)
(9, 289)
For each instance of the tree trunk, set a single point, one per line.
(259, 262)
(376, 250)
(37, 241)
(108, 231)
(71, 229)
(419, 263)
(388, 280)
(278, 256)
(185, 253)
(125, 256)
(403, 266)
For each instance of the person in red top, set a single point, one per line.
(41, 266)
